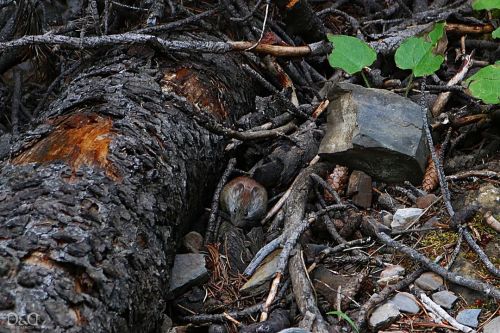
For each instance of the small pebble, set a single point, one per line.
(426, 200)
(405, 217)
(193, 242)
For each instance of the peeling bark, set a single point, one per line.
(93, 199)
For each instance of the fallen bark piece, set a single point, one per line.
(376, 131)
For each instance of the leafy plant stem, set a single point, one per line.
(365, 79)
(409, 85)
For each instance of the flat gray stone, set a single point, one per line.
(469, 317)
(376, 131)
(405, 302)
(188, 270)
(429, 281)
(493, 326)
(445, 299)
(404, 217)
(383, 316)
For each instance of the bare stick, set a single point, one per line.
(437, 310)
(473, 284)
(443, 97)
(492, 221)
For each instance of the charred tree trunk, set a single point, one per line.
(93, 199)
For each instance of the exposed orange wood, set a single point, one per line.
(206, 95)
(291, 3)
(38, 258)
(78, 139)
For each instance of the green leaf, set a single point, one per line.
(346, 318)
(485, 84)
(350, 53)
(437, 33)
(416, 54)
(485, 4)
(496, 33)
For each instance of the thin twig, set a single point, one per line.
(435, 158)
(211, 226)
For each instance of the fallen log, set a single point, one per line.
(94, 198)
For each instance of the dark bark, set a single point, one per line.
(93, 199)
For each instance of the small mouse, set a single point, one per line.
(245, 201)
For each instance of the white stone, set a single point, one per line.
(404, 217)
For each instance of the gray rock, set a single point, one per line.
(392, 270)
(326, 283)
(193, 241)
(188, 270)
(166, 325)
(493, 326)
(386, 218)
(389, 203)
(487, 197)
(376, 131)
(429, 281)
(405, 302)
(404, 217)
(217, 328)
(383, 316)
(360, 188)
(469, 317)
(445, 299)
(294, 330)
(263, 274)
(391, 275)
(466, 268)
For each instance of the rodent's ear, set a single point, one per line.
(260, 194)
(238, 189)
